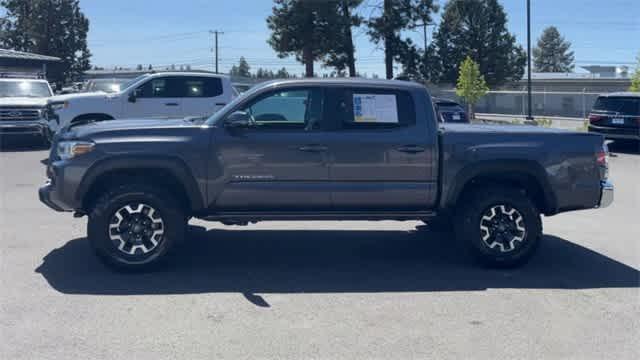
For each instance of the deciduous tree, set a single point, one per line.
(471, 85)
(635, 78)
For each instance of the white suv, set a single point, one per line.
(155, 95)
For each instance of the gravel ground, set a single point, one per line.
(325, 290)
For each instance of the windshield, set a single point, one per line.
(213, 119)
(128, 84)
(108, 86)
(36, 89)
(620, 105)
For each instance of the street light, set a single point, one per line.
(530, 110)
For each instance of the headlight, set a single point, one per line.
(59, 105)
(70, 149)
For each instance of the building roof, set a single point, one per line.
(623, 94)
(20, 55)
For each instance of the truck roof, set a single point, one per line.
(344, 82)
(186, 73)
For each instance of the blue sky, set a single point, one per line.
(130, 32)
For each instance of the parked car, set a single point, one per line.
(450, 111)
(104, 85)
(22, 103)
(616, 116)
(317, 149)
(157, 95)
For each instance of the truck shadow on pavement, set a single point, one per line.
(304, 261)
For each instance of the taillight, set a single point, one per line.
(602, 158)
(595, 118)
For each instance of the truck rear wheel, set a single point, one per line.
(133, 226)
(501, 226)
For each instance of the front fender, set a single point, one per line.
(172, 164)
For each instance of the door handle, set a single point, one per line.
(313, 148)
(411, 149)
(171, 104)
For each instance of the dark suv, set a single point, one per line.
(450, 111)
(616, 116)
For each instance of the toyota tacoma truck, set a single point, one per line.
(322, 150)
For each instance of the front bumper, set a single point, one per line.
(32, 127)
(606, 194)
(47, 197)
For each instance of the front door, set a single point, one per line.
(381, 157)
(159, 97)
(279, 161)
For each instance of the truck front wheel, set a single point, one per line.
(133, 226)
(501, 226)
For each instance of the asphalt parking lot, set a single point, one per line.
(355, 290)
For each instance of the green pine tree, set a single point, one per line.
(552, 54)
(304, 29)
(471, 85)
(48, 27)
(477, 28)
(385, 29)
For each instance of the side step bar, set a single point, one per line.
(240, 216)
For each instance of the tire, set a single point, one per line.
(501, 226)
(134, 226)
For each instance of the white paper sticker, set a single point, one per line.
(375, 108)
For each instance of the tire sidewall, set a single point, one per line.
(470, 231)
(99, 220)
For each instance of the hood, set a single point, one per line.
(24, 101)
(91, 95)
(127, 126)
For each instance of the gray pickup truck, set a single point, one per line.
(321, 150)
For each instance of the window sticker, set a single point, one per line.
(375, 108)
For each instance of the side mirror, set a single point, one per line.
(132, 97)
(238, 119)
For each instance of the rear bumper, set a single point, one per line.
(616, 133)
(606, 194)
(37, 127)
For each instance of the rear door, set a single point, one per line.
(203, 96)
(381, 157)
(160, 97)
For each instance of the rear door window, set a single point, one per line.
(201, 87)
(621, 105)
(367, 108)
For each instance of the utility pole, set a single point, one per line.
(530, 112)
(424, 29)
(216, 33)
